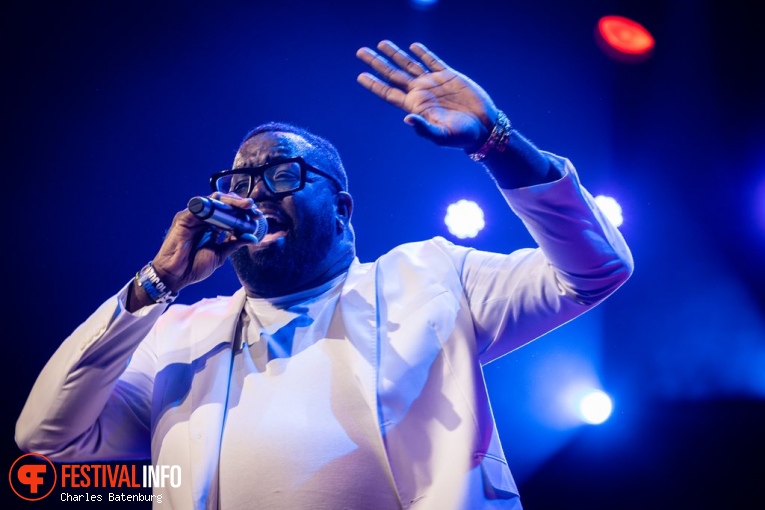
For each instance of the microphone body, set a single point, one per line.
(226, 217)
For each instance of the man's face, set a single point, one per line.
(302, 231)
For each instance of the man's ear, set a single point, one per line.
(343, 209)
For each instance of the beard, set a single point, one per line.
(284, 267)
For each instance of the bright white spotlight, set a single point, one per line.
(422, 4)
(611, 209)
(464, 219)
(594, 407)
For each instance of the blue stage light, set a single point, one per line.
(611, 209)
(464, 219)
(423, 4)
(594, 406)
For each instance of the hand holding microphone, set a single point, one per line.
(226, 217)
(187, 256)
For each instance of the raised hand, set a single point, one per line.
(443, 105)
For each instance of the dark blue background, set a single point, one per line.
(116, 112)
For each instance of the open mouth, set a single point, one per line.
(278, 226)
(275, 225)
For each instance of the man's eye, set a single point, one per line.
(240, 187)
(286, 172)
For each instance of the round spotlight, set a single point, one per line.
(464, 219)
(423, 4)
(611, 209)
(623, 39)
(594, 407)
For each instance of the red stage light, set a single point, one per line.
(625, 36)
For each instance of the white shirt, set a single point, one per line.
(291, 385)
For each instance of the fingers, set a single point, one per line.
(399, 68)
(190, 220)
(235, 200)
(429, 58)
(227, 237)
(401, 58)
(249, 238)
(228, 243)
(394, 96)
(384, 68)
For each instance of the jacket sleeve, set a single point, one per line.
(87, 403)
(581, 259)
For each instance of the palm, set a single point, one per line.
(446, 100)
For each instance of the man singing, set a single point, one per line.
(325, 382)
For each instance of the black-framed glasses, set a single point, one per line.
(281, 177)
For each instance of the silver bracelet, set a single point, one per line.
(498, 139)
(158, 292)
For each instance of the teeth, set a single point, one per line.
(275, 220)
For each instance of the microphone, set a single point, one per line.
(226, 217)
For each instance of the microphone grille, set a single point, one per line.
(261, 228)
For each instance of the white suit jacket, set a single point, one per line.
(424, 316)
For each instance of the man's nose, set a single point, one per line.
(259, 190)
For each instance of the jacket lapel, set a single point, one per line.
(212, 353)
(355, 321)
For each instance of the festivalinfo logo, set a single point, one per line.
(33, 477)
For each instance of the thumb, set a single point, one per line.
(425, 129)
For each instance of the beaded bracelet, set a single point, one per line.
(498, 138)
